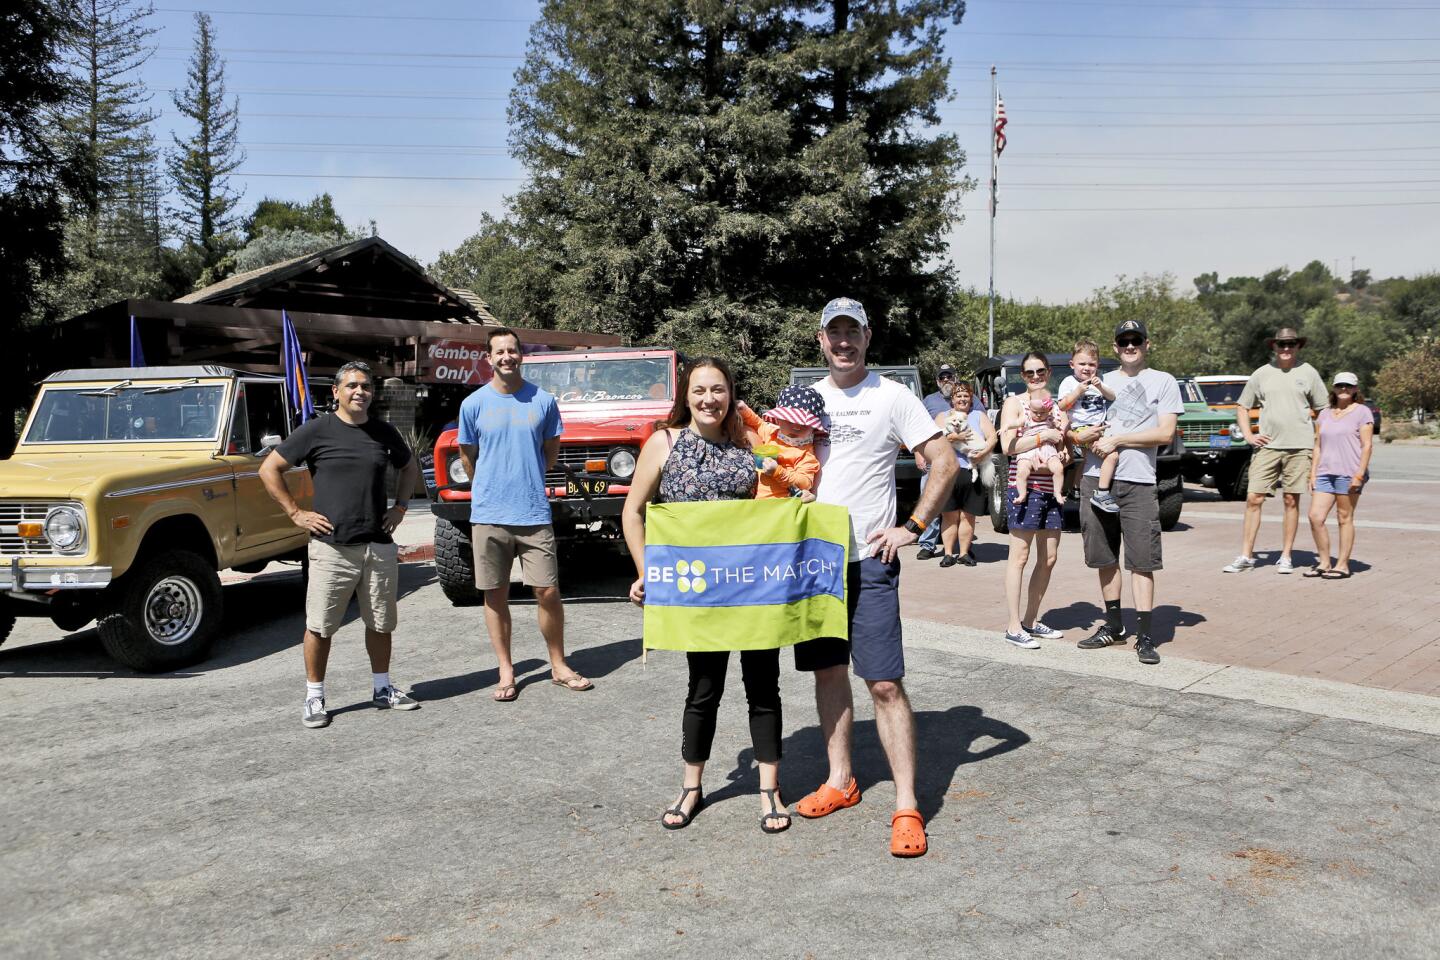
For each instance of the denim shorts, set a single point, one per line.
(1335, 482)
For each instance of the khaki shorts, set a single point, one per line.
(497, 546)
(1287, 469)
(368, 571)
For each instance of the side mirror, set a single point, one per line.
(269, 442)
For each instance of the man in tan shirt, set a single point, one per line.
(1287, 392)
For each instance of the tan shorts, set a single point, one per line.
(497, 546)
(1287, 469)
(368, 571)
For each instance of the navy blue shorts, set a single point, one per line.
(1040, 511)
(875, 649)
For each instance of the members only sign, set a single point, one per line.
(744, 574)
(463, 362)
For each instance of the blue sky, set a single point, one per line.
(1250, 134)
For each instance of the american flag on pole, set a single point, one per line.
(998, 147)
(292, 360)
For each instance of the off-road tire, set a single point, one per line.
(455, 564)
(1235, 484)
(1171, 491)
(165, 613)
(995, 496)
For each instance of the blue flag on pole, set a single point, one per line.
(137, 356)
(292, 361)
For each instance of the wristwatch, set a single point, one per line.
(914, 527)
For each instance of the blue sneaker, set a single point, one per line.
(1022, 639)
(1041, 632)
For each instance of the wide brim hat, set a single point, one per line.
(1286, 333)
(802, 406)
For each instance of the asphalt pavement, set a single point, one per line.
(190, 814)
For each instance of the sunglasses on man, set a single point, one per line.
(1125, 342)
(1286, 344)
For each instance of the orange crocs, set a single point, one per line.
(907, 834)
(826, 800)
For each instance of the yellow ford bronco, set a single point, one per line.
(129, 491)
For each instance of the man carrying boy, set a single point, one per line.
(1141, 419)
(1085, 398)
(1287, 391)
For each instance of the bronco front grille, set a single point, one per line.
(574, 456)
(1201, 432)
(16, 511)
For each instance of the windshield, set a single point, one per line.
(598, 379)
(144, 413)
(1222, 393)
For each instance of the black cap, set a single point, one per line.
(944, 369)
(1131, 326)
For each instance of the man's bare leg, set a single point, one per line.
(1253, 503)
(497, 624)
(551, 614)
(317, 655)
(1291, 524)
(836, 707)
(895, 722)
(378, 646)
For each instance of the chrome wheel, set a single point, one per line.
(173, 610)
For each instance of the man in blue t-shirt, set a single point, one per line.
(509, 436)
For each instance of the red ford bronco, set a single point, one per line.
(610, 400)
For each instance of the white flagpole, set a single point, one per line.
(991, 122)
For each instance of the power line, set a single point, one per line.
(344, 16)
(1196, 95)
(1162, 65)
(423, 55)
(376, 176)
(1030, 35)
(1165, 126)
(1245, 207)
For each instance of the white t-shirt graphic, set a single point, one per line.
(1089, 410)
(1139, 401)
(869, 423)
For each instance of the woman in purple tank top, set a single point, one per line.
(1339, 469)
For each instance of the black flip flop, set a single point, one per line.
(1313, 573)
(1335, 575)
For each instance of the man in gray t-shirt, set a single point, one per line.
(1141, 419)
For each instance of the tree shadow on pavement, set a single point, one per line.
(944, 742)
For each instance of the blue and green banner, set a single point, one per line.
(744, 574)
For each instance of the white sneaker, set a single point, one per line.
(1239, 564)
(1022, 639)
(1284, 566)
(1041, 632)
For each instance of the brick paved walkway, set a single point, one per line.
(1381, 628)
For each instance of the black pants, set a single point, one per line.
(760, 671)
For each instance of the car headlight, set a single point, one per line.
(622, 463)
(455, 470)
(65, 528)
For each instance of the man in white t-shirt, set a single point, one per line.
(1140, 420)
(870, 419)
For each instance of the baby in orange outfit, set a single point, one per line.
(790, 427)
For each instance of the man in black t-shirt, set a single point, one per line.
(350, 545)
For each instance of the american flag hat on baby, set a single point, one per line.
(802, 406)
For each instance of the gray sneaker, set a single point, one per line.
(1022, 639)
(1239, 565)
(390, 698)
(1285, 565)
(315, 714)
(1041, 632)
(1104, 500)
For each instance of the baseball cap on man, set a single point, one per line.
(843, 307)
(802, 406)
(1131, 326)
(1346, 379)
(945, 371)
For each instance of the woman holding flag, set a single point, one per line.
(701, 454)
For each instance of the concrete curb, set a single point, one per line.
(1326, 698)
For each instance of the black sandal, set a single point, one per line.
(776, 813)
(678, 810)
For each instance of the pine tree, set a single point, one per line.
(201, 164)
(709, 174)
(114, 231)
(33, 178)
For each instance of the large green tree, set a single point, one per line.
(710, 173)
(34, 176)
(201, 164)
(115, 228)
